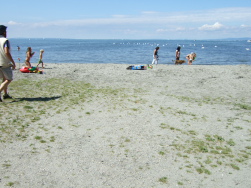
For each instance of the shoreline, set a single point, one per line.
(127, 64)
(100, 125)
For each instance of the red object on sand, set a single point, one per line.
(29, 69)
(25, 70)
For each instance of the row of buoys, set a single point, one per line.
(31, 70)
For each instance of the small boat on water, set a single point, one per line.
(248, 40)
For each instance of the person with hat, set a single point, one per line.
(7, 63)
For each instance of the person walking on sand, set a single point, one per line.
(7, 63)
(155, 56)
(191, 57)
(29, 55)
(177, 54)
(41, 58)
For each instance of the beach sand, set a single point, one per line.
(100, 125)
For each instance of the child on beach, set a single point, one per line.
(155, 56)
(29, 55)
(191, 57)
(40, 58)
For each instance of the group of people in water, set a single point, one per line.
(190, 57)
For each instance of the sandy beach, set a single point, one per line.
(100, 125)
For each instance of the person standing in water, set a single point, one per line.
(155, 56)
(177, 54)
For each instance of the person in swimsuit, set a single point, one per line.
(155, 56)
(191, 57)
(29, 55)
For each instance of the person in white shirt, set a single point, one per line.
(7, 64)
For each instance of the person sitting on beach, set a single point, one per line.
(177, 54)
(155, 56)
(191, 57)
(40, 58)
(29, 55)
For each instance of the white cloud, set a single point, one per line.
(147, 23)
(245, 26)
(180, 29)
(180, 19)
(171, 29)
(162, 30)
(215, 26)
(13, 23)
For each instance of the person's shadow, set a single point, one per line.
(43, 99)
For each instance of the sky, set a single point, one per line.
(127, 19)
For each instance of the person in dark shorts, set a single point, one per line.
(155, 56)
(177, 53)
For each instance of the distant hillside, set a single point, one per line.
(245, 38)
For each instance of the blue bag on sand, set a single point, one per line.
(137, 67)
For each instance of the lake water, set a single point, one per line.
(209, 52)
